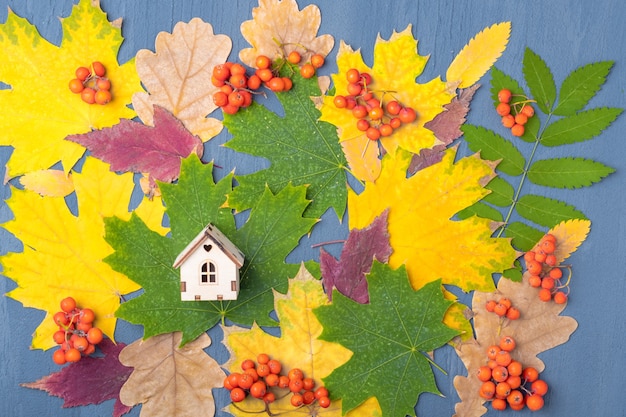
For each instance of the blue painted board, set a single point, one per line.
(585, 374)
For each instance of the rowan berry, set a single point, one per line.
(80, 344)
(237, 395)
(324, 402)
(265, 74)
(254, 82)
(513, 313)
(487, 390)
(288, 83)
(550, 260)
(321, 392)
(237, 69)
(72, 355)
(340, 101)
(518, 130)
(68, 304)
(515, 368)
(539, 387)
(58, 357)
(492, 351)
(230, 109)
(103, 84)
(529, 256)
(395, 122)
(297, 399)
(98, 68)
(504, 95)
(82, 73)
(275, 366)
(547, 283)
(253, 373)
(498, 404)
(534, 402)
(276, 84)
(500, 309)
(307, 71)
(503, 358)
(372, 133)
(308, 397)
(530, 374)
(528, 110)
(95, 335)
(545, 294)
(515, 398)
(540, 256)
(385, 130)
(102, 97)
(258, 389)
(359, 111)
(503, 109)
(407, 115)
(272, 380)
(491, 305)
(221, 72)
(236, 99)
(61, 319)
(521, 119)
(220, 99)
(269, 397)
(534, 281)
(354, 89)
(393, 108)
(534, 267)
(245, 380)
(262, 62)
(507, 343)
(503, 389)
(508, 121)
(296, 385)
(317, 60)
(76, 86)
(499, 373)
(376, 113)
(506, 301)
(308, 383)
(88, 95)
(283, 381)
(560, 297)
(263, 370)
(366, 79)
(294, 57)
(233, 379)
(514, 381)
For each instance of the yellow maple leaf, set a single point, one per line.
(479, 55)
(178, 76)
(423, 234)
(39, 110)
(63, 253)
(279, 27)
(297, 347)
(396, 66)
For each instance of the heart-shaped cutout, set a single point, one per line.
(208, 247)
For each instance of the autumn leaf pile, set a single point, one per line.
(421, 217)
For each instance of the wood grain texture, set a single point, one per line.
(586, 374)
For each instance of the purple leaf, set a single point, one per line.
(135, 147)
(426, 158)
(91, 380)
(446, 125)
(359, 251)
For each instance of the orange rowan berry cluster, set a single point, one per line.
(374, 117)
(503, 308)
(265, 379)
(541, 264)
(308, 69)
(92, 84)
(507, 383)
(514, 115)
(76, 337)
(235, 87)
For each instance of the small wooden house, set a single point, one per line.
(209, 267)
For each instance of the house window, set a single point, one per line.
(208, 273)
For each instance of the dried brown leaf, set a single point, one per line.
(178, 76)
(278, 27)
(170, 381)
(540, 327)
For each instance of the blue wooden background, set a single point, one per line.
(586, 374)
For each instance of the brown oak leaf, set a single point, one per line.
(540, 327)
(170, 381)
(178, 76)
(278, 27)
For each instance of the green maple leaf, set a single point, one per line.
(389, 336)
(301, 149)
(273, 229)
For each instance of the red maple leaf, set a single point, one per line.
(92, 380)
(357, 255)
(135, 147)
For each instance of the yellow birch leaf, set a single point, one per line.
(297, 347)
(168, 380)
(396, 66)
(39, 110)
(423, 234)
(63, 253)
(480, 53)
(279, 27)
(569, 235)
(539, 328)
(48, 182)
(178, 76)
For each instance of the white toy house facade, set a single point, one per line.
(209, 267)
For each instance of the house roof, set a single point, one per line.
(217, 237)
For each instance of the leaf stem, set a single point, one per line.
(433, 363)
